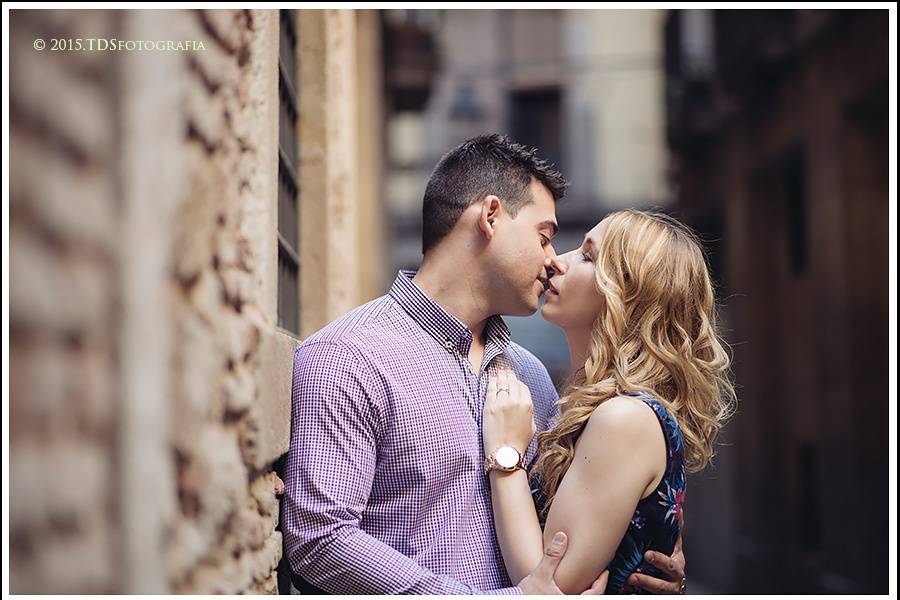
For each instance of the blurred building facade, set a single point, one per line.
(778, 125)
(178, 222)
(585, 87)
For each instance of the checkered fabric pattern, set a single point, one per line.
(384, 487)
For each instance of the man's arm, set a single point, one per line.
(328, 479)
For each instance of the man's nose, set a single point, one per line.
(554, 264)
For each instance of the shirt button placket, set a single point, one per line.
(471, 398)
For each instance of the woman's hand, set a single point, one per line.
(508, 418)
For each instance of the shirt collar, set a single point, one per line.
(449, 331)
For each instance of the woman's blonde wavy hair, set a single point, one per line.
(656, 333)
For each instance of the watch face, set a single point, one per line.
(507, 457)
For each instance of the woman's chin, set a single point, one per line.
(548, 312)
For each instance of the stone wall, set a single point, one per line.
(150, 385)
(222, 538)
(62, 305)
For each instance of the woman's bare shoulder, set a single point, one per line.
(623, 429)
(627, 415)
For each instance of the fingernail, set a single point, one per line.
(559, 537)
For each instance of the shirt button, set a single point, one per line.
(448, 345)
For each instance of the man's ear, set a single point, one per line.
(487, 217)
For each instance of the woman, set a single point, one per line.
(649, 392)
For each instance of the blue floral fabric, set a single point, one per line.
(657, 519)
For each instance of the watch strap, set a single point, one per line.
(490, 464)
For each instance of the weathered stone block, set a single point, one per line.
(238, 390)
(239, 337)
(73, 203)
(50, 292)
(37, 388)
(273, 368)
(225, 27)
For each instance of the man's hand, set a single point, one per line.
(540, 581)
(672, 568)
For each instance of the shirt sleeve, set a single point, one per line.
(328, 479)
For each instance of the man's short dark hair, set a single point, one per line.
(487, 164)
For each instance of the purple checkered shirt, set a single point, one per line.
(384, 487)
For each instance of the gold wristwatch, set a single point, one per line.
(506, 459)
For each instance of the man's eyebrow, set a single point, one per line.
(551, 224)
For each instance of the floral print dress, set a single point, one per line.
(657, 519)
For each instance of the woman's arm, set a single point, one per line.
(618, 456)
(508, 421)
(516, 522)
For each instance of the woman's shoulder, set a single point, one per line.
(666, 423)
(624, 417)
(622, 438)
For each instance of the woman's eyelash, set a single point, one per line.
(586, 256)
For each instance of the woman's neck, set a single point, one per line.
(579, 348)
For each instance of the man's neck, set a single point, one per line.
(452, 286)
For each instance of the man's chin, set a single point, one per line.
(524, 309)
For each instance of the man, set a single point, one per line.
(385, 490)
